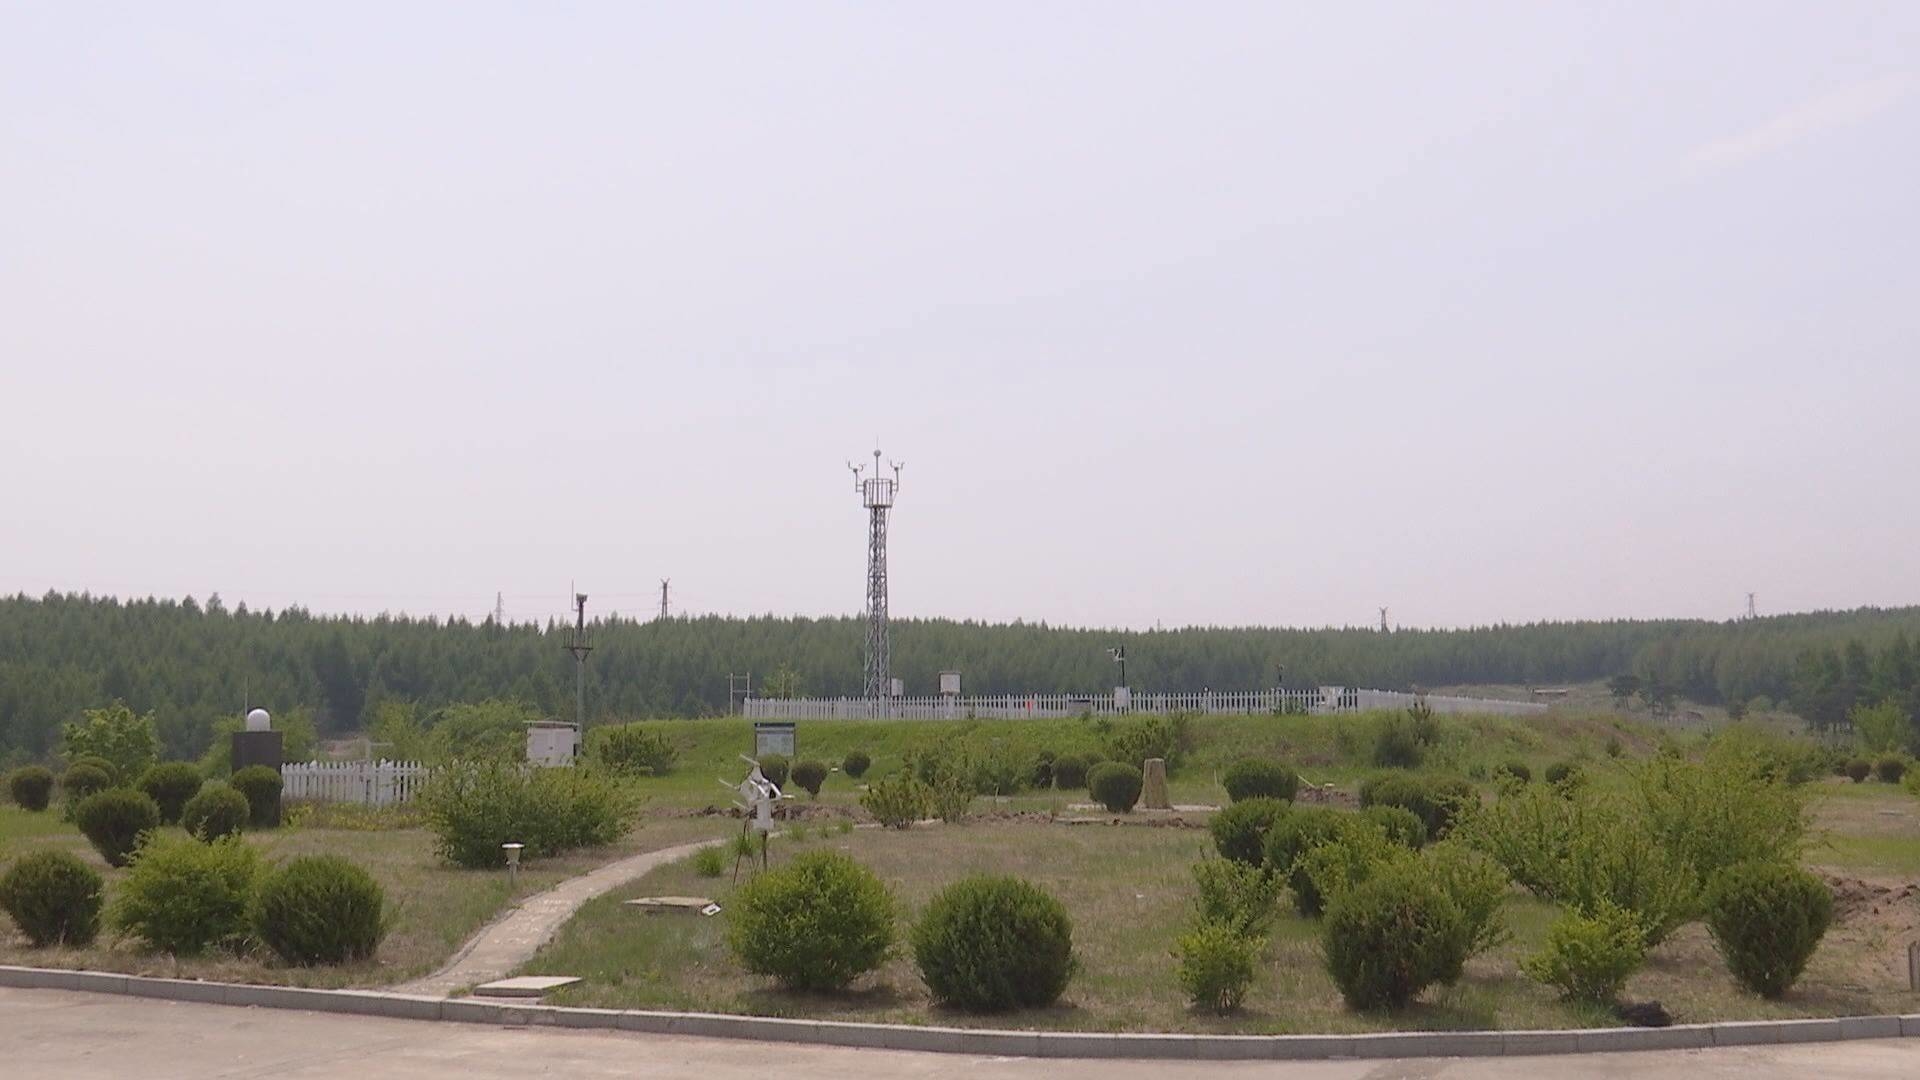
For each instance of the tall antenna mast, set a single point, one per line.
(577, 645)
(877, 494)
(1750, 612)
(499, 610)
(1383, 620)
(663, 597)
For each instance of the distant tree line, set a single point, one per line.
(193, 666)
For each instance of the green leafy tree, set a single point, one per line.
(116, 733)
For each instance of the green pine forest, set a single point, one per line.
(192, 665)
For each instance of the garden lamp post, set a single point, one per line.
(513, 862)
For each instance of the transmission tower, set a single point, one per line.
(663, 597)
(876, 494)
(1383, 620)
(1751, 614)
(577, 645)
(499, 610)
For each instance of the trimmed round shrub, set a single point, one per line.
(1766, 920)
(1890, 769)
(1391, 936)
(319, 909)
(775, 768)
(817, 923)
(170, 784)
(988, 944)
(182, 896)
(98, 762)
(1240, 830)
(114, 821)
(1401, 825)
(53, 897)
(856, 764)
(84, 779)
(1115, 786)
(1258, 778)
(1300, 831)
(1216, 966)
(1563, 772)
(1857, 770)
(30, 787)
(1434, 800)
(1070, 772)
(1515, 770)
(810, 775)
(216, 811)
(261, 786)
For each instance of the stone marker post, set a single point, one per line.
(1153, 793)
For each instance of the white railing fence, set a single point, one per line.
(1326, 699)
(370, 783)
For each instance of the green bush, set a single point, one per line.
(817, 923)
(474, 807)
(1589, 956)
(1515, 770)
(1240, 830)
(182, 896)
(97, 762)
(633, 749)
(1562, 773)
(30, 787)
(1300, 831)
(83, 780)
(1069, 772)
(1613, 858)
(1434, 800)
(897, 801)
(997, 769)
(1217, 965)
(1858, 769)
(856, 764)
(1734, 807)
(261, 786)
(319, 909)
(53, 897)
(709, 862)
(1528, 831)
(126, 740)
(1401, 825)
(810, 775)
(1115, 785)
(1396, 746)
(1236, 895)
(987, 944)
(1890, 769)
(115, 821)
(216, 812)
(1766, 920)
(1478, 885)
(1360, 851)
(1391, 936)
(170, 784)
(1258, 778)
(949, 797)
(1040, 773)
(1165, 737)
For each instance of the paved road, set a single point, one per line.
(65, 1036)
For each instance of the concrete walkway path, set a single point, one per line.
(512, 939)
(71, 1036)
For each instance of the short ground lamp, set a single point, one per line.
(513, 862)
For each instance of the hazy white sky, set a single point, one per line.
(1198, 313)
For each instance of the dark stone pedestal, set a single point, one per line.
(259, 748)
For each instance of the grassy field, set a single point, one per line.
(1325, 749)
(435, 907)
(1128, 889)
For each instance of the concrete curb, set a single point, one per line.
(980, 1041)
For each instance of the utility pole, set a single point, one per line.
(877, 495)
(577, 645)
(663, 598)
(1119, 654)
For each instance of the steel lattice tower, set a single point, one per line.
(876, 494)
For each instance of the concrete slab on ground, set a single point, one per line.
(524, 986)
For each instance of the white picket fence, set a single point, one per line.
(1325, 699)
(371, 783)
